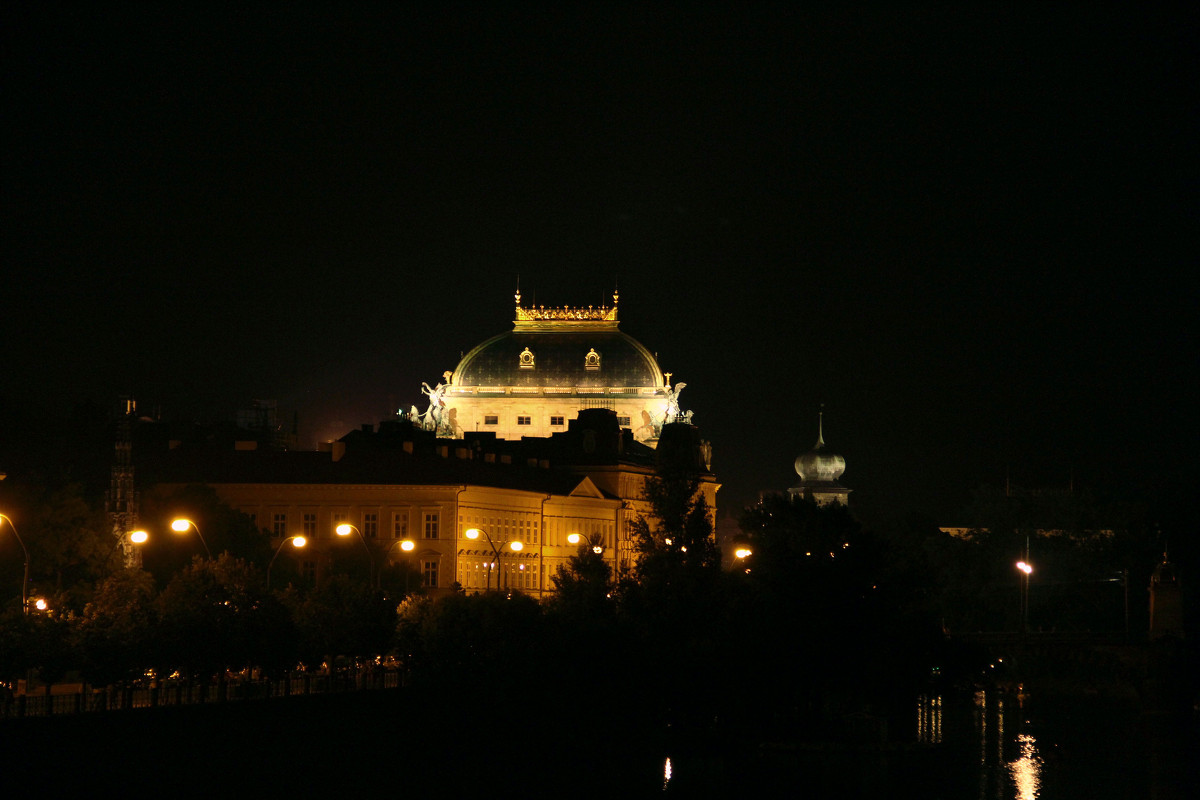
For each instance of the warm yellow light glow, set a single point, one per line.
(574, 538)
(1026, 771)
(1021, 565)
(181, 525)
(407, 545)
(139, 537)
(742, 552)
(517, 546)
(40, 604)
(343, 529)
(472, 533)
(299, 541)
(597, 549)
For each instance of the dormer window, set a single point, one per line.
(591, 360)
(526, 359)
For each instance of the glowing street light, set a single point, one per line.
(576, 538)
(516, 547)
(139, 537)
(407, 545)
(1026, 570)
(181, 525)
(743, 552)
(25, 580)
(297, 542)
(344, 529)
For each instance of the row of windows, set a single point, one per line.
(368, 524)
(429, 572)
(556, 420)
(510, 575)
(524, 419)
(516, 527)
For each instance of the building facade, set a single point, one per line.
(533, 380)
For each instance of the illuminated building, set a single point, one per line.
(819, 470)
(402, 482)
(534, 379)
(545, 431)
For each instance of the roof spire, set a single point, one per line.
(820, 428)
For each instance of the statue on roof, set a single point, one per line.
(432, 419)
(673, 413)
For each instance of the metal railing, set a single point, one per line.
(47, 701)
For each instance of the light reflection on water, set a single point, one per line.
(1010, 767)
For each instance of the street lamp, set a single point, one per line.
(25, 580)
(516, 547)
(297, 542)
(407, 545)
(576, 538)
(343, 529)
(1026, 569)
(181, 525)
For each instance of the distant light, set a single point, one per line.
(407, 545)
(575, 537)
(40, 604)
(181, 525)
(742, 552)
(343, 529)
(472, 533)
(139, 537)
(299, 541)
(517, 546)
(1026, 568)
(597, 549)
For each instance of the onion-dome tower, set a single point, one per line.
(819, 470)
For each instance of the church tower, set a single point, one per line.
(819, 470)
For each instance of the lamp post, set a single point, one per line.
(407, 545)
(576, 538)
(1026, 569)
(343, 529)
(181, 525)
(516, 547)
(25, 580)
(297, 542)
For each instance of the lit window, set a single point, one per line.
(491, 419)
(279, 526)
(623, 421)
(431, 525)
(429, 574)
(370, 527)
(523, 420)
(557, 420)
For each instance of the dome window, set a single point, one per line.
(592, 360)
(526, 359)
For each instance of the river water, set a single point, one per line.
(990, 746)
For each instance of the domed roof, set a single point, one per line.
(819, 464)
(584, 359)
(560, 348)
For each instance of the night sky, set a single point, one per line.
(969, 233)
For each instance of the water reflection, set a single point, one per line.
(929, 719)
(1026, 771)
(1009, 765)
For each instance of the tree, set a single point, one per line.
(116, 631)
(217, 615)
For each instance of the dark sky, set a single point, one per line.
(969, 233)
